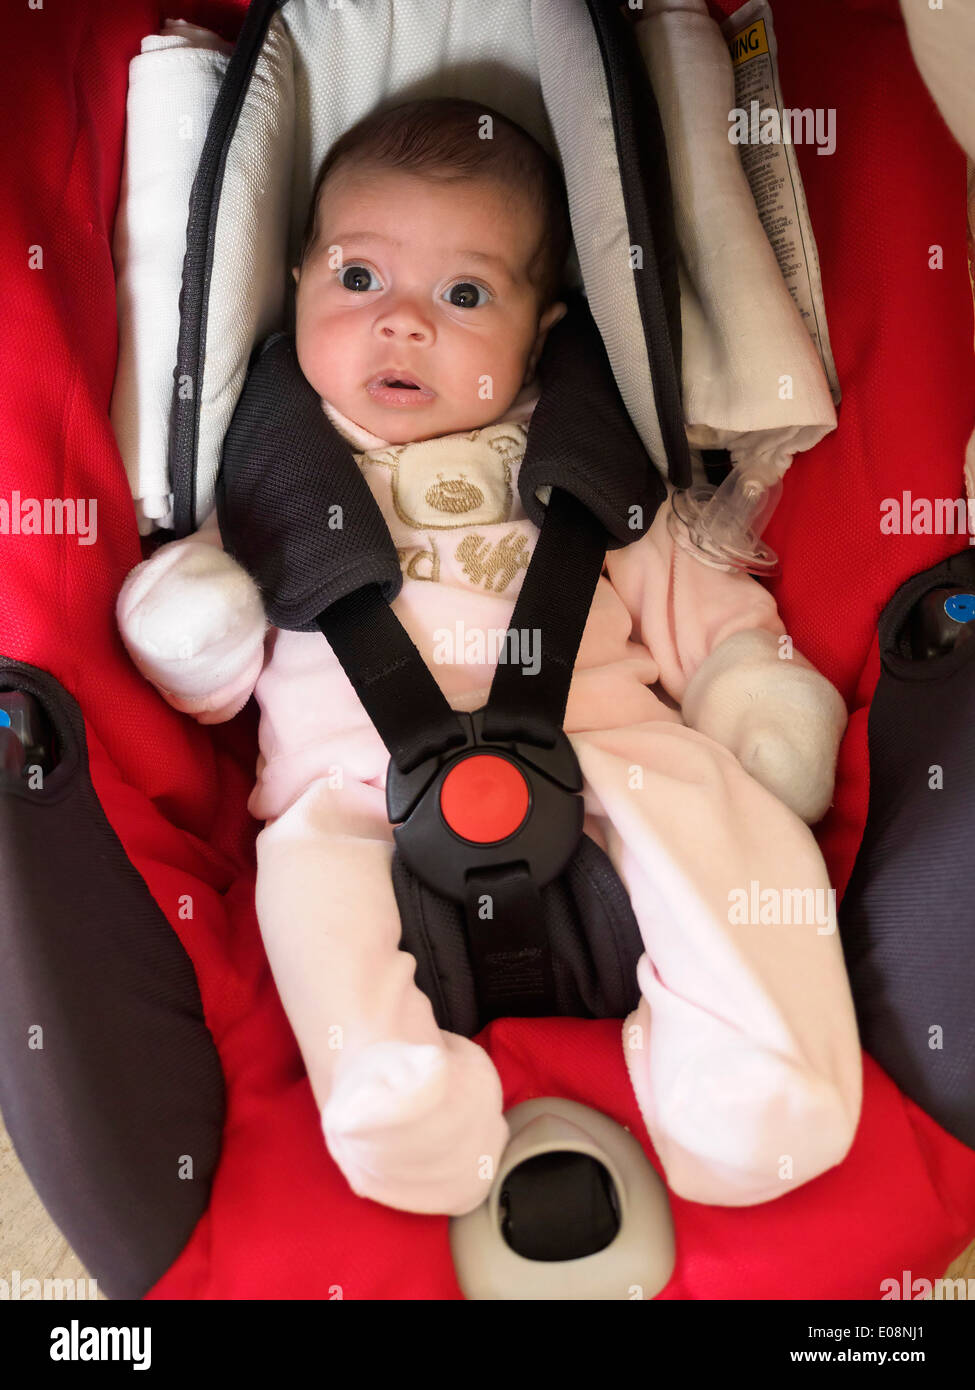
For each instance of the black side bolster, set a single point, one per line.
(110, 1083)
(907, 918)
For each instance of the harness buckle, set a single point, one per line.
(485, 805)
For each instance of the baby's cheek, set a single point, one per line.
(495, 376)
(322, 367)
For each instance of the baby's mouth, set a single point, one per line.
(399, 388)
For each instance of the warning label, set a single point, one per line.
(772, 170)
(749, 43)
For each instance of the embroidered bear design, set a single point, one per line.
(493, 564)
(457, 480)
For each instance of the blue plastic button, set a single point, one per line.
(4, 719)
(961, 607)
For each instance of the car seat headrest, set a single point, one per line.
(568, 71)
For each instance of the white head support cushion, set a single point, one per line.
(324, 66)
(320, 70)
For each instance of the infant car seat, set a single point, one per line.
(139, 1025)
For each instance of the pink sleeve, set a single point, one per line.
(682, 609)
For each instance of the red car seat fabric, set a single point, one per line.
(281, 1222)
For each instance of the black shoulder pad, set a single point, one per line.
(293, 507)
(581, 437)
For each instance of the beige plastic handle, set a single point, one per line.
(636, 1264)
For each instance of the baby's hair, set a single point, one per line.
(439, 137)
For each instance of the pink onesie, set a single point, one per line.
(743, 1051)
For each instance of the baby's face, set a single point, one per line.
(411, 278)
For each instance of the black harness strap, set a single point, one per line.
(390, 677)
(400, 695)
(552, 607)
(510, 951)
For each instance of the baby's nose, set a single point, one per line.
(405, 321)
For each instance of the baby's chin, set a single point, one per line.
(401, 426)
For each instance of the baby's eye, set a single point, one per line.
(351, 277)
(463, 295)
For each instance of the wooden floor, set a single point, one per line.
(29, 1240)
(31, 1243)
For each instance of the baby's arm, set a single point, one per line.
(193, 622)
(716, 636)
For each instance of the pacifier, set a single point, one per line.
(722, 526)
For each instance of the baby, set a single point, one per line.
(427, 284)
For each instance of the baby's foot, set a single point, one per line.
(387, 1084)
(416, 1126)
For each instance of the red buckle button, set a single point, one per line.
(484, 798)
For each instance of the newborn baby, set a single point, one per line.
(426, 286)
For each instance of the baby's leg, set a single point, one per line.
(412, 1115)
(743, 1051)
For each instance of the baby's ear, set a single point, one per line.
(551, 317)
(548, 320)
